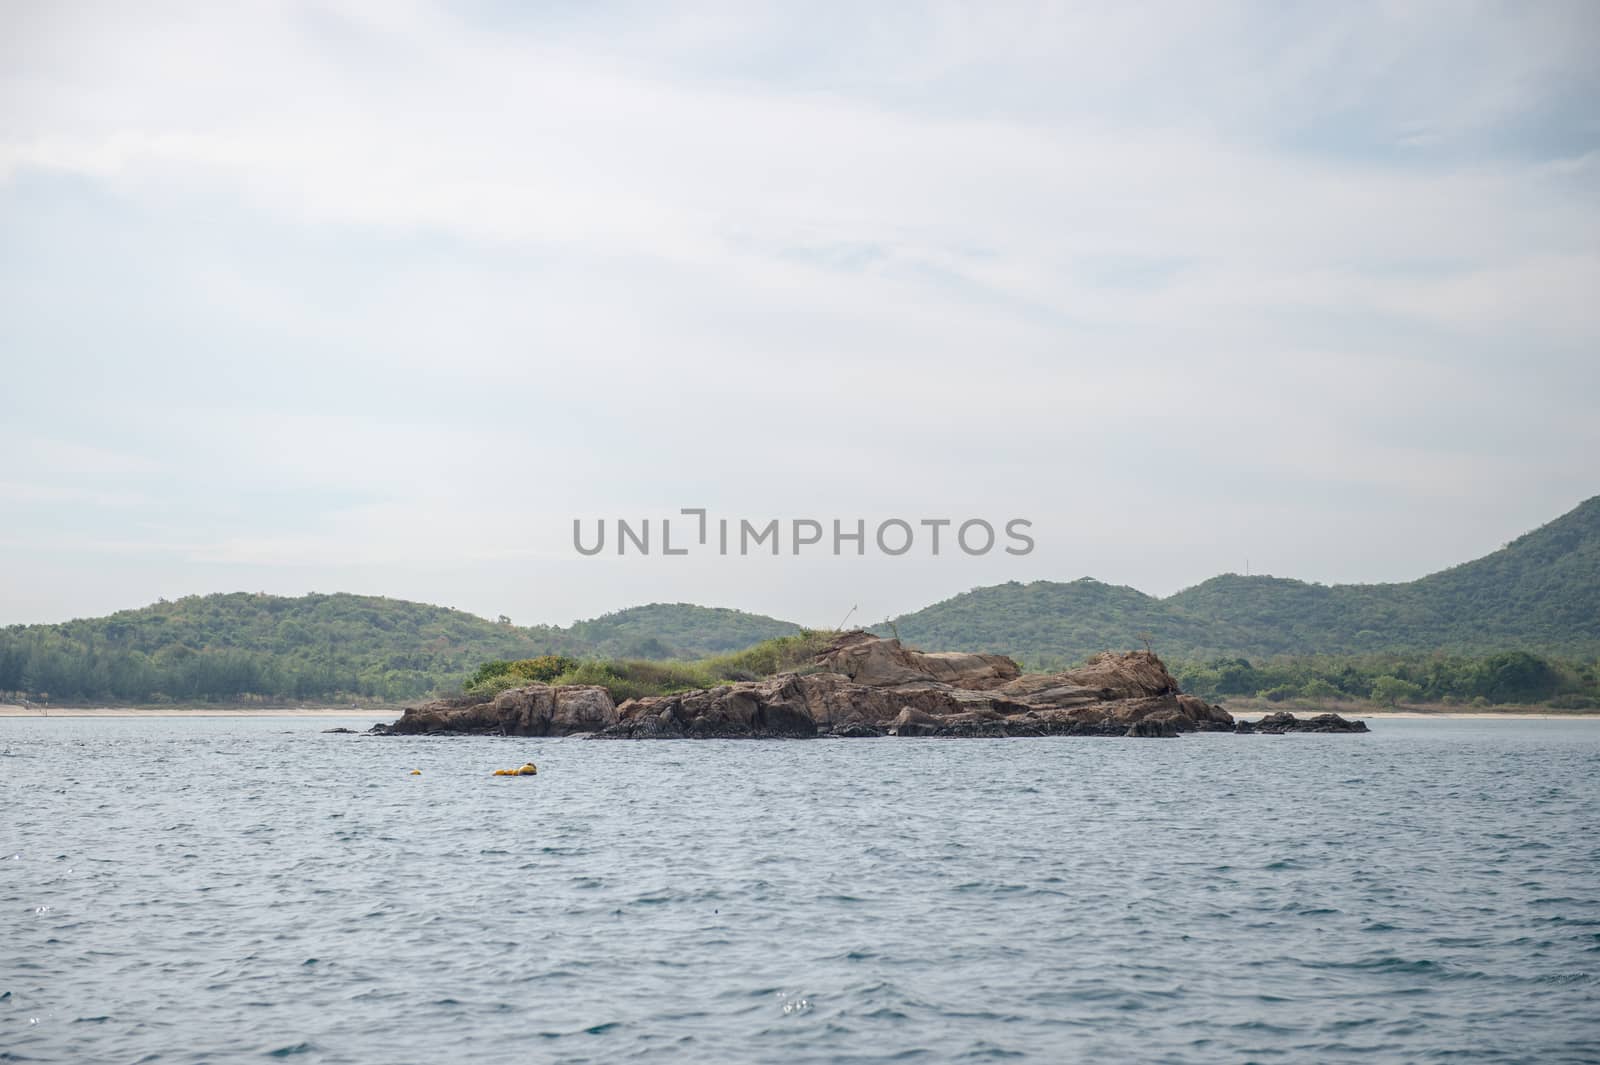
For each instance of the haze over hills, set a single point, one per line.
(1539, 593)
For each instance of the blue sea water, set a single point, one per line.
(204, 890)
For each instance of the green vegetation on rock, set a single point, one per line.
(631, 678)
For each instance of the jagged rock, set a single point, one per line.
(857, 732)
(1204, 716)
(1107, 675)
(582, 709)
(339, 732)
(1283, 721)
(1112, 717)
(773, 708)
(1047, 689)
(795, 704)
(870, 687)
(1155, 726)
(913, 722)
(875, 662)
(535, 710)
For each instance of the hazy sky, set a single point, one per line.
(378, 298)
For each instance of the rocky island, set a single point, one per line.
(862, 685)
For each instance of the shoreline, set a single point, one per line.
(1448, 713)
(1444, 715)
(10, 710)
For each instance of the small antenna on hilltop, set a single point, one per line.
(844, 619)
(1247, 567)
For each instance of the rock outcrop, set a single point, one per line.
(1156, 726)
(1283, 721)
(858, 686)
(866, 659)
(1107, 675)
(537, 710)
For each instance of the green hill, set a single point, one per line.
(1050, 624)
(218, 648)
(675, 630)
(1539, 593)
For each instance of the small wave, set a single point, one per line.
(1260, 1026)
(1567, 978)
(990, 1053)
(292, 1050)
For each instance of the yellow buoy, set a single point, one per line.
(528, 770)
(416, 772)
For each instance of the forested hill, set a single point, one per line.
(1047, 624)
(675, 630)
(1540, 593)
(319, 647)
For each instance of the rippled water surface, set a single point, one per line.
(209, 890)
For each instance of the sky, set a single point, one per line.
(379, 298)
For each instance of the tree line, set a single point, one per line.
(1506, 677)
(48, 668)
(42, 664)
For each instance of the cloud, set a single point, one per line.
(72, 457)
(318, 275)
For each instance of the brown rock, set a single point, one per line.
(1283, 721)
(875, 662)
(1203, 716)
(581, 709)
(912, 722)
(1155, 726)
(1108, 674)
(536, 710)
(871, 687)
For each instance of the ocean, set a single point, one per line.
(214, 890)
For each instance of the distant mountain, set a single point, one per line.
(675, 630)
(1540, 593)
(1051, 623)
(223, 647)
